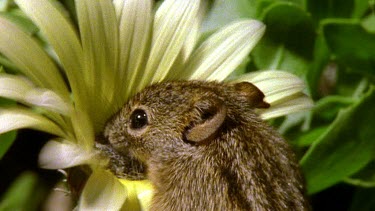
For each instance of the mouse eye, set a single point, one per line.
(138, 119)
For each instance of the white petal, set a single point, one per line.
(275, 85)
(193, 36)
(83, 128)
(220, 55)
(282, 90)
(189, 44)
(14, 87)
(99, 37)
(17, 118)
(48, 100)
(171, 27)
(30, 58)
(102, 191)
(296, 104)
(135, 20)
(60, 34)
(63, 154)
(20, 89)
(139, 194)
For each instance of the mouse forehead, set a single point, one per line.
(167, 94)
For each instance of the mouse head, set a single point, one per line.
(175, 117)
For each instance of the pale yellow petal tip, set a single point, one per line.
(59, 154)
(300, 103)
(139, 193)
(20, 89)
(220, 54)
(18, 118)
(255, 25)
(282, 90)
(103, 191)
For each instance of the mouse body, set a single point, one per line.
(204, 148)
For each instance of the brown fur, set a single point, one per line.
(244, 165)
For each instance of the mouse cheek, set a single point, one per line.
(120, 141)
(120, 146)
(115, 141)
(140, 149)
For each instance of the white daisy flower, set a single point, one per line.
(118, 48)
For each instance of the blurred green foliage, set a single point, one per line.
(23, 194)
(329, 43)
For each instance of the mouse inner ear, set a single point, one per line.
(212, 113)
(251, 94)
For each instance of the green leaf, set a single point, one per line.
(320, 62)
(328, 107)
(321, 9)
(360, 7)
(368, 23)
(308, 138)
(363, 200)
(6, 141)
(288, 41)
(350, 84)
(22, 194)
(345, 148)
(365, 177)
(352, 44)
(224, 12)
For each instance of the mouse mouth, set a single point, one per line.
(123, 165)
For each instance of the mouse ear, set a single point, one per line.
(251, 94)
(212, 113)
